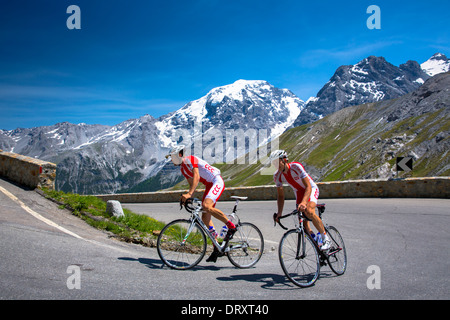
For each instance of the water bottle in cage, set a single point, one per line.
(213, 232)
(223, 232)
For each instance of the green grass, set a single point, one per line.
(132, 227)
(328, 147)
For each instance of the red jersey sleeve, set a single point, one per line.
(193, 161)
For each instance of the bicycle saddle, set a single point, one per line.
(239, 198)
(321, 208)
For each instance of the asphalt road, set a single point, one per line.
(54, 255)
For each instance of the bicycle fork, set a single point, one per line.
(188, 233)
(301, 251)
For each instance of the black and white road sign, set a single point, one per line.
(404, 164)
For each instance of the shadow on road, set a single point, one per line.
(158, 264)
(269, 280)
(150, 263)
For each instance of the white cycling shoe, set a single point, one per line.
(326, 244)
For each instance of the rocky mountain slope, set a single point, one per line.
(130, 155)
(106, 159)
(370, 80)
(363, 141)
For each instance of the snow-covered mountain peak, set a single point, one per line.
(97, 158)
(237, 90)
(438, 63)
(371, 79)
(197, 109)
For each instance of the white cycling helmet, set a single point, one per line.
(174, 154)
(276, 155)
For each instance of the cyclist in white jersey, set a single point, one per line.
(305, 190)
(197, 170)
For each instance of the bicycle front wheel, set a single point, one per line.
(299, 258)
(246, 246)
(337, 255)
(181, 244)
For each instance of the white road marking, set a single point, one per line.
(37, 215)
(55, 225)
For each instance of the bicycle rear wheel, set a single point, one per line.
(299, 258)
(246, 246)
(337, 255)
(181, 244)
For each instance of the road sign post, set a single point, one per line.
(404, 164)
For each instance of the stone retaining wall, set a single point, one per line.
(36, 173)
(438, 187)
(26, 171)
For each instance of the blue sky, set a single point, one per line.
(132, 58)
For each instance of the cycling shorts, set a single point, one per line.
(314, 195)
(214, 189)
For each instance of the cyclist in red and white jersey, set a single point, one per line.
(197, 170)
(305, 190)
(207, 173)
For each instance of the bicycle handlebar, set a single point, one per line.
(275, 220)
(189, 204)
(320, 207)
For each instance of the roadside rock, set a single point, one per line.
(114, 208)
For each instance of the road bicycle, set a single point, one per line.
(183, 243)
(301, 256)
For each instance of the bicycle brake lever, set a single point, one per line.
(279, 222)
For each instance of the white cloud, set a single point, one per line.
(342, 55)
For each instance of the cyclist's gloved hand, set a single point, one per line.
(275, 219)
(185, 197)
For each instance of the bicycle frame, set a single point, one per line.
(195, 218)
(301, 232)
(182, 243)
(301, 257)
